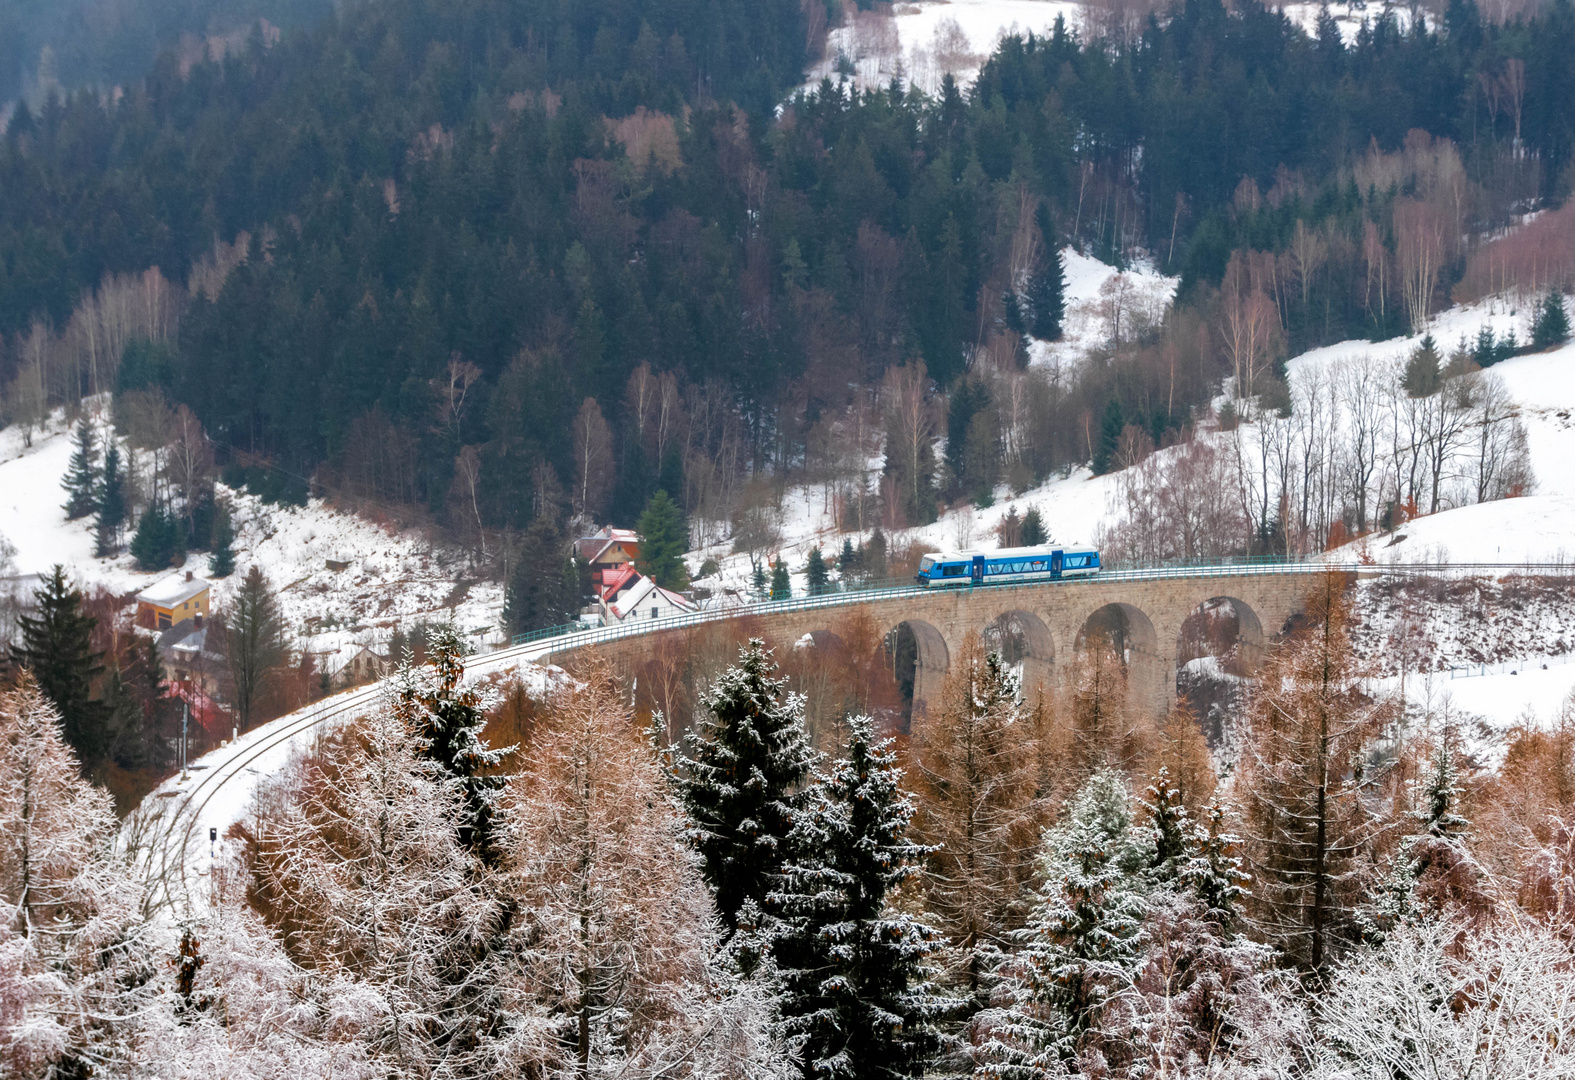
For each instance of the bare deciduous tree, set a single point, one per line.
(593, 460)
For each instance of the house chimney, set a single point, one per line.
(188, 575)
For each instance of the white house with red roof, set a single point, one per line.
(643, 600)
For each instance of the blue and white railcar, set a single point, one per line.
(1049, 562)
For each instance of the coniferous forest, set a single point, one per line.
(450, 256)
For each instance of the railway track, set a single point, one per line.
(170, 863)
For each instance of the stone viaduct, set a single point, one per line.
(1140, 613)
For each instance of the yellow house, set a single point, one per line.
(173, 600)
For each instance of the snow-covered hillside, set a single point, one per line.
(926, 40)
(1536, 527)
(394, 578)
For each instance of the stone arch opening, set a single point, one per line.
(919, 659)
(1025, 644)
(1219, 647)
(1128, 633)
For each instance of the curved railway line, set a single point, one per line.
(168, 858)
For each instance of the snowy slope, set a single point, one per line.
(1097, 295)
(395, 579)
(928, 46)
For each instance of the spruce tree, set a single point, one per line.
(111, 508)
(254, 638)
(536, 597)
(1432, 866)
(758, 583)
(1111, 424)
(1170, 831)
(781, 585)
(1033, 531)
(1047, 286)
(57, 647)
(1423, 375)
(447, 719)
(738, 778)
(1084, 937)
(156, 543)
(855, 1000)
(1213, 870)
(848, 559)
(221, 563)
(664, 537)
(1551, 326)
(817, 576)
(81, 482)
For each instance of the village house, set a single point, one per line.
(173, 600)
(188, 658)
(606, 552)
(642, 600)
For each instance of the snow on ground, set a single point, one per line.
(1349, 17)
(1102, 301)
(394, 578)
(1534, 528)
(218, 791)
(934, 37)
(1483, 710)
(1539, 527)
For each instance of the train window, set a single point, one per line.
(925, 564)
(953, 570)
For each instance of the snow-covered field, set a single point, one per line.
(394, 578)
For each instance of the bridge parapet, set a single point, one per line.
(1142, 611)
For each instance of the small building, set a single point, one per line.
(187, 658)
(363, 665)
(645, 600)
(173, 600)
(607, 551)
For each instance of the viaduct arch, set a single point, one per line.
(1039, 626)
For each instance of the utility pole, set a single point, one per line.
(185, 715)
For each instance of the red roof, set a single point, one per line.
(618, 579)
(204, 709)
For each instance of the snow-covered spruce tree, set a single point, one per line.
(615, 931)
(81, 482)
(1213, 872)
(1083, 941)
(1302, 782)
(1200, 995)
(738, 777)
(979, 811)
(363, 872)
(446, 720)
(1170, 830)
(855, 997)
(75, 965)
(1433, 870)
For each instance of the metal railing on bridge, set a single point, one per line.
(893, 588)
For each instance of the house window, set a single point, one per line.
(164, 621)
(653, 613)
